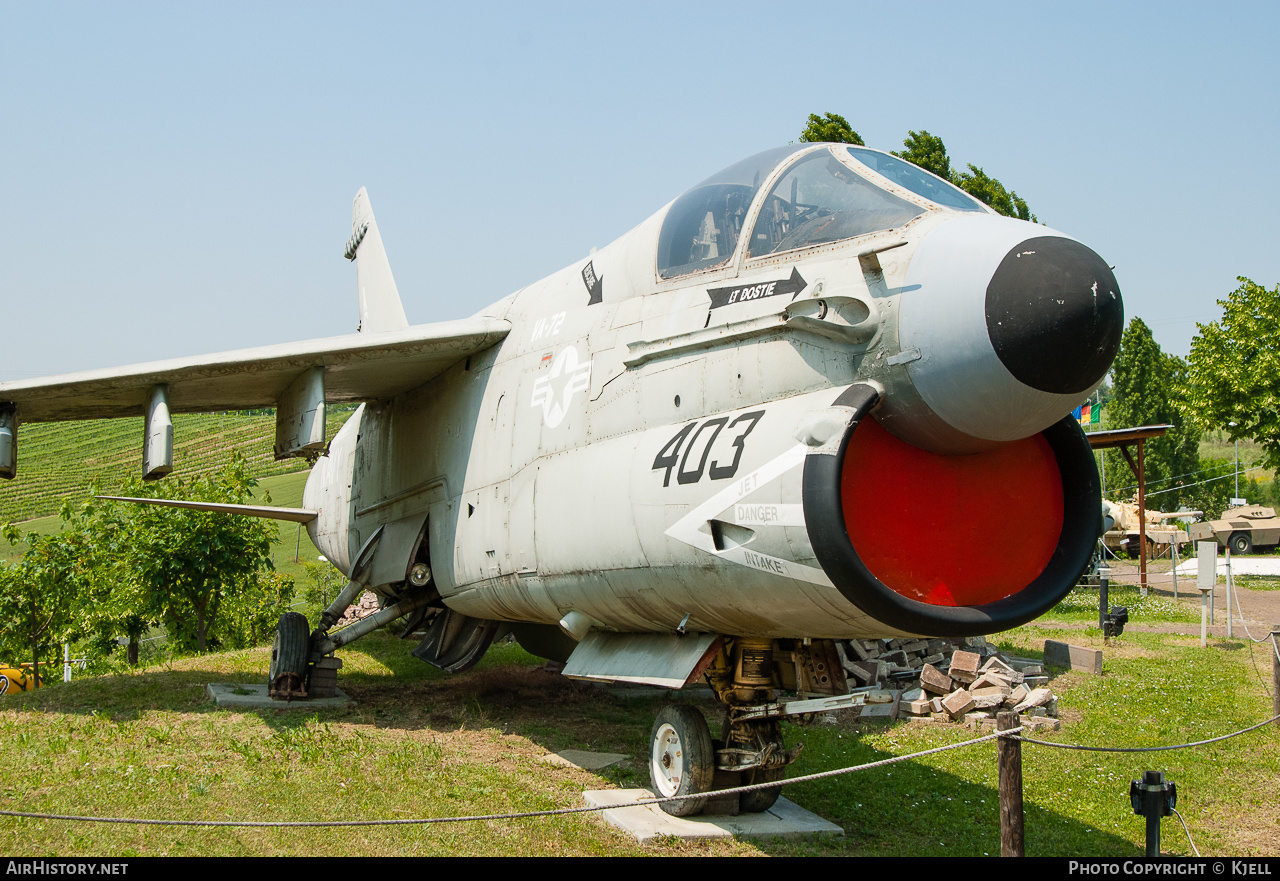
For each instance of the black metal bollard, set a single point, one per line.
(1111, 623)
(1153, 798)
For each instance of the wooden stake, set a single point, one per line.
(1009, 755)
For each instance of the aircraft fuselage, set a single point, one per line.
(644, 450)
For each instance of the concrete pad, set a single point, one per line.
(647, 822)
(581, 758)
(254, 696)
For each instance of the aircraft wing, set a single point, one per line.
(357, 367)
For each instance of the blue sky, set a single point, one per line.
(177, 178)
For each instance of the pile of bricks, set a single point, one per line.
(946, 680)
(361, 608)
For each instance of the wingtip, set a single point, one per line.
(361, 210)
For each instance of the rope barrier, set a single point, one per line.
(1148, 749)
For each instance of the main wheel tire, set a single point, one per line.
(760, 800)
(1241, 543)
(290, 648)
(681, 758)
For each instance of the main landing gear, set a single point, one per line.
(290, 653)
(744, 674)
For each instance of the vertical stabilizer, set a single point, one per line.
(380, 306)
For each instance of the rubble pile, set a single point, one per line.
(361, 608)
(946, 680)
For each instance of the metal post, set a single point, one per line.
(1213, 591)
(1153, 797)
(35, 646)
(1275, 674)
(1104, 584)
(1206, 578)
(1230, 590)
(1173, 557)
(1142, 521)
(1009, 757)
(1237, 465)
(1204, 619)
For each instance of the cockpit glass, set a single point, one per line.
(702, 229)
(820, 200)
(916, 179)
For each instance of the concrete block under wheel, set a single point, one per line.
(648, 822)
(230, 694)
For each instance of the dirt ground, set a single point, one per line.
(1260, 609)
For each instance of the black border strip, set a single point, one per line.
(1081, 526)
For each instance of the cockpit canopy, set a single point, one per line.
(827, 194)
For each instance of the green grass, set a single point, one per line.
(416, 745)
(1255, 582)
(1214, 445)
(1081, 605)
(420, 743)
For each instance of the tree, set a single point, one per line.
(1234, 369)
(72, 583)
(39, 597)
(1144, 383)
(830, 128)
(116, 570)
(1211, 494)
(981, 186)
(191, 566)
(930, 153)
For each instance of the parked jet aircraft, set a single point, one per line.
(781, 411)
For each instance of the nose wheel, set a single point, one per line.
(681, 758)
(760, 800)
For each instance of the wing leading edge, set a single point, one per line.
(357, 367)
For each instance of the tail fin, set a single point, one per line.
(380, 306)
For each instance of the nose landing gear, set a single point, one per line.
(681, 758)
(685, 761)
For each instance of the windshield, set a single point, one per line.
(702, 229)
(916, 179)
(820, 200)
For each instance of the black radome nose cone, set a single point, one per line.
(1054, 315)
